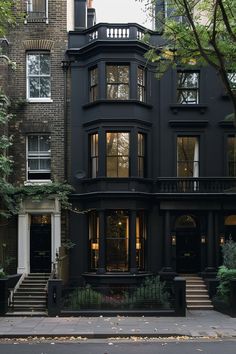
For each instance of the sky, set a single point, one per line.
(120, 11)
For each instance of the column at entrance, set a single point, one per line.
(210, 243)
(23, 244)
(167, 244)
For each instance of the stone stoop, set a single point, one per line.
(197, 297)
(31, 296)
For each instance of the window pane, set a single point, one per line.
(44, 64)
(188, 80)
(123, 74)
(187, 157)
(112, 143)
(123, 144)
(33, 143)
(112, 73)
(123, 166)
(33, 64)
(141, 76)
(112, 92)
(45, 87)
(44, 143)
(187, 96)
(33, 164)
(44, 164)
(122, 92)
(94, 240)
(34, 87)
(112, 169)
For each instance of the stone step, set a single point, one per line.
(200, 307)
(30, 297)
(30, 303)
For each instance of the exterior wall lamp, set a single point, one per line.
(173, 240)
(203, 239)
(222, 239)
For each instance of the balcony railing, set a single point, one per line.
(196, 185)
(106, 32)
(115, 32)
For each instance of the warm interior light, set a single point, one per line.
(95, 246)
(138, 245)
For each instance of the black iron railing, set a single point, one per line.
(196, 185)
(150, 296)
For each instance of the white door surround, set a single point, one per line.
(30, 207)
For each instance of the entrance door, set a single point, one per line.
(40, 244)
(188, 258)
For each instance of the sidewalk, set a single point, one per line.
(195, 324)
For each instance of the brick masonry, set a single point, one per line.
(36, 117)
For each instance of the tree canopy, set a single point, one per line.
(198, 32)
(7, 16)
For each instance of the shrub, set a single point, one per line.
(151, 293)
(83, 298)
(224, 275)
(229, 254)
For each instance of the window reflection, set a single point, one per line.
(117, 154)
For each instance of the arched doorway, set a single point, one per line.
(188, 244)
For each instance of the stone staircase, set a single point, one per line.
(30, 298)
(197, 297)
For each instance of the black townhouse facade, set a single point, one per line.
(152, 161)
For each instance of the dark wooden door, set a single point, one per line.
(40, 248)
(188, 248)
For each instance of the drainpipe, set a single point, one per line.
(65, 66)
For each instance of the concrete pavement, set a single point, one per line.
(195, 324)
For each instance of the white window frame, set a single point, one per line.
(29, 8)
(37, 156)
(37, 99)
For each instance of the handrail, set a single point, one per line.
(13, 291)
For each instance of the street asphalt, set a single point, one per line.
(196, 324)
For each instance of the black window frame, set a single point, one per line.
(117, 83)
(117, 156)
(93, 85)
(185, 89)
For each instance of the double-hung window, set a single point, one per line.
(117, 82)
(141, 81)
(94, 155)
(117, 154)
(38, 76)
(141, 154)
(37, 10)
(39, 157)
(187, 156)
(93, 89)
(188, 87)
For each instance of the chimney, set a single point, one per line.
(159, 15)
(80, 14)
(91, 14)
